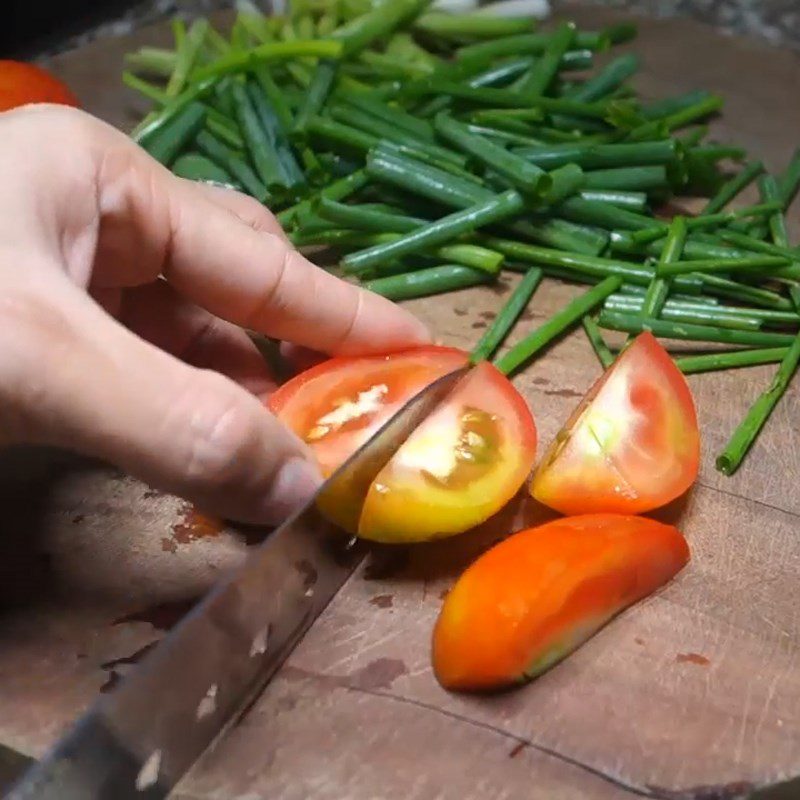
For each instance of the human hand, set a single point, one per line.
(124, 292)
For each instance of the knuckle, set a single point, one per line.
(224, 434)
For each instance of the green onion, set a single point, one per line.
(538, 79)
(659, 287)
(601, 349)
(556, 325)
(270, 51)
(229, 161)
(645, 179)
(526, 177)
(777, 224)
(497, 332)
(167, 142)
(425, 282)
(444, 230)
(607, 80)
(712, 362)
(756, 262)
(744, 436)
(734, 187)
(631, 323)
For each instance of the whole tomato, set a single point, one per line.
(22, 83)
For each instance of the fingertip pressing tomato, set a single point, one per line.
(535, 597)
(457, 469)
(632, 444)
(22, 83)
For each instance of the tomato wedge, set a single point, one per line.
(458, 468)
(537, 596)
(632, 444)
(22, 83)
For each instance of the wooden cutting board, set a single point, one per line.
(695, 693)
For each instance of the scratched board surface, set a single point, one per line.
(694, 693)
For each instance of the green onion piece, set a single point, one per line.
(420, 179)
(442, 231)
(631, 323)
(597, 156)
(643, 179)
(724, 287)
(734, 187)
(149, 90)
(770, 192)
(790, 180)
(579, 264)
(680, 119)
(608, 79)
(744, 436)
(499, 329)
(632, 201)
(419, 128)
(270, 51)
(671, 105)
(774, 264)
(229, 161)
(317, 94)
(196, 167)
(379, 21)
(659, 287)
(602, 215)
(338, 190)
(153, 60)
(539, 77)
(695, 314)
(365, 219)
(471, 255)
(564, 183)
(601, 349)
(188, 52)
(527, 44)
(150, 126)
(429, 281)
(262, 154)
(556, 325)
(561, 234)
(712, 362)
(525, 176)
(481, 26)
(169, 141)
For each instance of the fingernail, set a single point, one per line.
(295, 483)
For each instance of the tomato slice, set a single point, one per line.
(338, 405)
(632, 444)
(457, 469)
(537, 596)
(22, 83)
(461, 466)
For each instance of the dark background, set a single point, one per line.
(33, 26)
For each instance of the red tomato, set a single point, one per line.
(537, 596)
(632, 444)
(22, 83)
(457, 469)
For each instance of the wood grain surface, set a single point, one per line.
(694, 693)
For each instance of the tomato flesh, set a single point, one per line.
(534, 598)
(461, 466)
(633, 443)
(458, 468)
(22, 83)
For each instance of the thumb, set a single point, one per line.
(101, 391)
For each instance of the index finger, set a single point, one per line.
(236, 266)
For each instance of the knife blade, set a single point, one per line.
(138, 741)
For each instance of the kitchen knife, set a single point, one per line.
(138, 741)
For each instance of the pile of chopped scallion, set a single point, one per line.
(429, 151)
